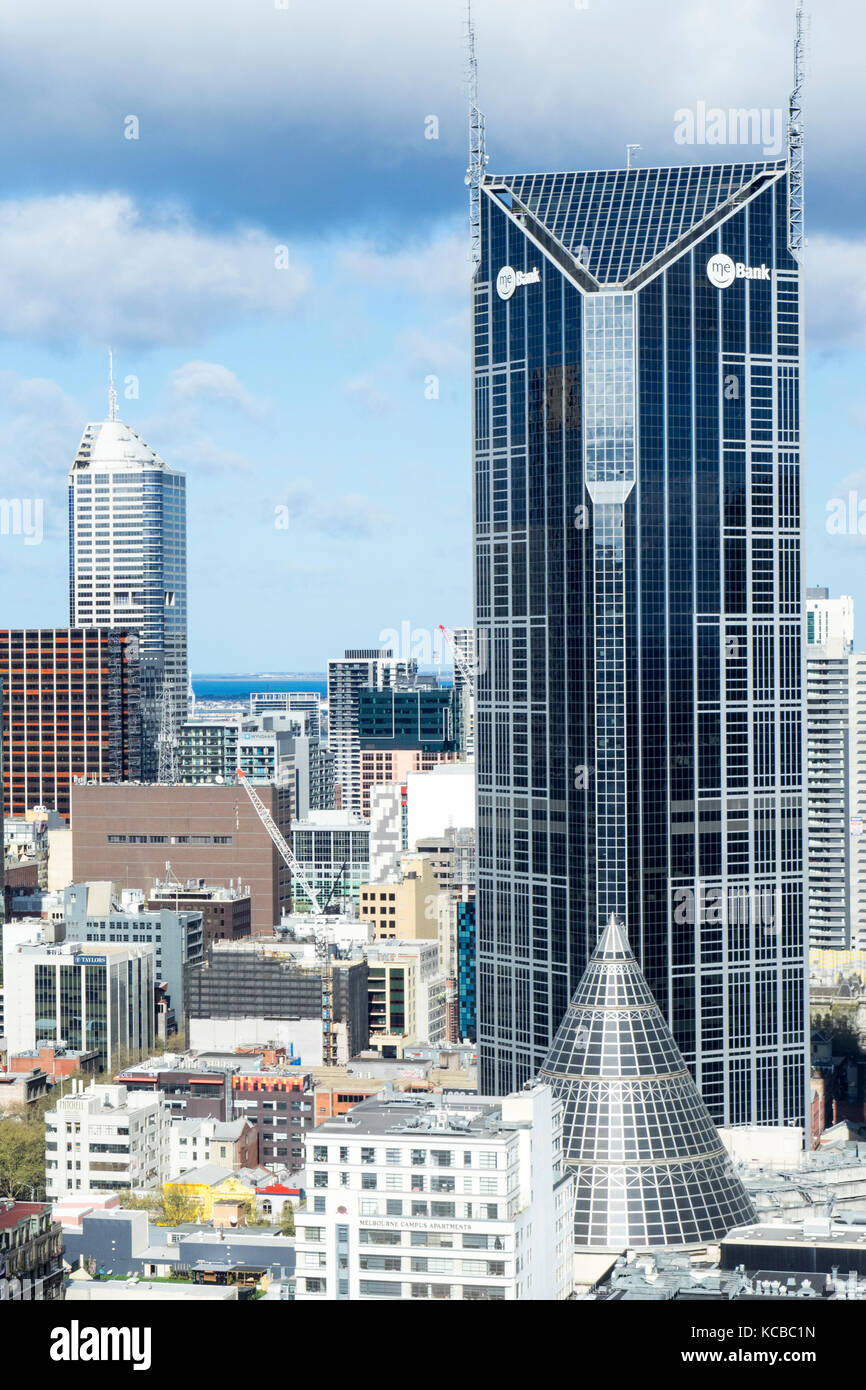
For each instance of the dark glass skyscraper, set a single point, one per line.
(639, 733)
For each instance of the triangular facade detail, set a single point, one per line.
(650, 1165)
(616, 222)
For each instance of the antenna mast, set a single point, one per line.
(796, 239)
(477, 145)
(112, 394)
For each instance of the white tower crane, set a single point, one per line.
(281, 843)
(464, 665)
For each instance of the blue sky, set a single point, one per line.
(309, 386)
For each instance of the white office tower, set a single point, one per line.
(836, 767)
(79, 995)
(438, 1196)
(127, 563)
(347, 675)
(106, 1139)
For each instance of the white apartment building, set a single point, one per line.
(106, 1139)
(438, 1196)
(836, 764)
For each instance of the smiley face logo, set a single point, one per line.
(721, 271)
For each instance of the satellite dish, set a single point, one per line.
(219, 778)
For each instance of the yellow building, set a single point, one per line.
(406, 911)
(210, 1185)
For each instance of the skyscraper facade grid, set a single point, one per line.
(637, 374)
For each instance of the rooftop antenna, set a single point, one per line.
(629, 151)
(112, 394)
(796, 239)
(477, 145)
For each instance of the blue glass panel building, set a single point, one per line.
(424, 718)
(637, 375)
(467, 970)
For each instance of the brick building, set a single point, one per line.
(127, 833)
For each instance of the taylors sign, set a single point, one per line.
(722, 271)
(508, 279)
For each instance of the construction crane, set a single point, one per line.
(343, 868)
(462, 663)
(796, 158)
(320, 930)
(167, 742)
(280, 841)
(477, 145)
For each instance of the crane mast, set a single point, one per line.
(463, 665)
(280, 841)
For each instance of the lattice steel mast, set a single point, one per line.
(796, 238)
(477, 145)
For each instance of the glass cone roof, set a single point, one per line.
(615, 221)
(651, 1168)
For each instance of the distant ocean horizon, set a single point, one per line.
(240, 687)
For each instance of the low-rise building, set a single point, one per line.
(57, 1062)
(195, 1142)
(22, 1088)
(105, 1139)
(438, 1197)
(31, 1253)
(219, 1194)
(112, 1240)
(278, 1104)
(189, 1088)
(406, 991)
(226, 913)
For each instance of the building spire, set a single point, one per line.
(112, 394)
(796, 200)
(477, 144)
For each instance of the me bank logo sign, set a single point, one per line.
(722, 271)
(508, 279)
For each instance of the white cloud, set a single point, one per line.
(365, 389)
(210, 381)
(348, 516)
(95, 268)
(555, 79)
(437, 266)
(835, 279)
(40, 427)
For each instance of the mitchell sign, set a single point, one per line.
(508, 279)
(722, 271)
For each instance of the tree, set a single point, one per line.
(287, 1219)
(22, 1156)
(178, 1207)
